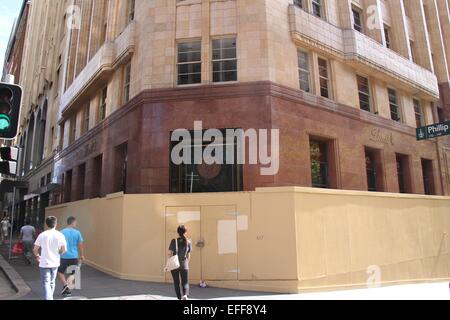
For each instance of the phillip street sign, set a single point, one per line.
(433, 131)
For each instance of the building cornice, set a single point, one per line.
(249, 89)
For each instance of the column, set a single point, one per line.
(437, 41)
(83, 41)
(423, 51)
(96, 27)
(72, 57)
(400, 32)
(374, 21)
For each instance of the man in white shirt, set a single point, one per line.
(27, 235)
(51, 245)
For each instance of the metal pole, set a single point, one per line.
(12, 221)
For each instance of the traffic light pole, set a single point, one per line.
(13, 212)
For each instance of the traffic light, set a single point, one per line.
(8, 165)
(10, 102)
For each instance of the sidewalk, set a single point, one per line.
(98, 285)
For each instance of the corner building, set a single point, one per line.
(345, 92)
(346, 82)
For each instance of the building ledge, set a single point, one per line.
(342, 192)
(109, 57)
(362, 52)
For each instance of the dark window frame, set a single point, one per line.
(304, 60)
(364, 93)
(222, 64)
(189, 69)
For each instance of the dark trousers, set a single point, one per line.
(182, 286)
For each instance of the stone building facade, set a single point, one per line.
(346, 83)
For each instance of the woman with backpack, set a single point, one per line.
(181, 247)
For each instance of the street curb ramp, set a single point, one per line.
(18, 283)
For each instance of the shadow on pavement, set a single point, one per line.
(96, 284)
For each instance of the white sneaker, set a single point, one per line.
(184, 298)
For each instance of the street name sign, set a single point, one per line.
(433, 131)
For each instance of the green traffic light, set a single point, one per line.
(5, 122)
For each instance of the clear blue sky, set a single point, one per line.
(9, 10)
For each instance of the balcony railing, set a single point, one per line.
(360, 50)
(108, 57)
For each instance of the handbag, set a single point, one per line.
(18, 248)
(173, 263)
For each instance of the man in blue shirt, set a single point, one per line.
(74, 253)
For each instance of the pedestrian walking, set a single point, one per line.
(27, 236)
(182, 247)
(5, 225)
(74, 254)
(48, 247)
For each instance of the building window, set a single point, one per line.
(418, 111)
(86, 118)
(304, 71)
(102, 105)
(317, 8)
(81, 178)
(130, 10)
(394, 106)
(224, 60)
(387, 36)
(428, 177)
(97, 177)
(319, 163)
(68, 186)
(104, 19)
(440, 114)
(364, 93)
(61, 136)
(357, 19)
(403, 174)
(324, 77)
(195, 178)
(126, 83)
(413, 51)
(121, 168)
(298, 3)
(73, 129)
(374, 170)
(189, 63)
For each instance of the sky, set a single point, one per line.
(9, 10)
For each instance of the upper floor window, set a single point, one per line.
(304, 70)
(418, 111)
(299, 3)
(364, 93)
(189, 63)
(325, 79)
(102, 105)
(131, 9)
(86, 118)
(73, 129)
(387, 36)
(224, 60)
(126, 83)
(104, 28)
(317, 8)
(413, 51)
(357, 19)
(394, 106)
(61, 136)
